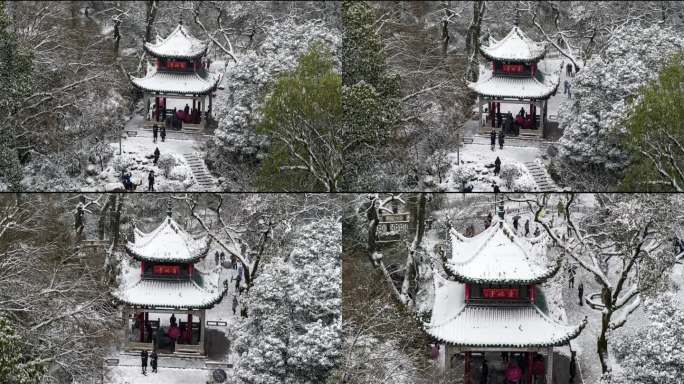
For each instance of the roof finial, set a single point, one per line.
(168, 208)
(517, 17)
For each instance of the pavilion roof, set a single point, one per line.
(165, 293)
(168, 243)
(517, 87)
(180, 43)
(515, 47)
(455, 322)
(198, 83)
(498, 256)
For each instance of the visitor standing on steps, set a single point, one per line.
(153, 361)
(150, 179)
(580, 291)
(155, 130)
(492, 136)
(143, 361)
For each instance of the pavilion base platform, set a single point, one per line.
(525, 134)
(470, 363)
(187, 127)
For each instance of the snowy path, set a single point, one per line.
(542, 179)
(200, 172)
(133, 375)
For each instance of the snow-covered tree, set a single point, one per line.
(654, 354)
(15, 367)
(603, 94)
(236, 142)
(293, 332)
(618, 236)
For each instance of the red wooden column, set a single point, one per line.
(466, 369)
(498, 110)
(189, 330)
(492, 114)
(529, 367)
(467, 293)
(532, 293)
(147, 319)
(156, 103)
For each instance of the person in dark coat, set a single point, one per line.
(497, 166)
(216, 257)
(515, 223)
(527, 227)
(496, 189)
(155, 130)
(571, 277)
(235, 304)
(172, 320)
(522, 112)
(156, 155)
(501, 139)
(163, 133)
(186, 110)
(150, 179)
(580, 292)
(485, 372)
(492, 136)
(153, 361)
(536, 231)
(143, 361)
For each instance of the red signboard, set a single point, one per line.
(176, 64)
(501, 293)
(165, 270)
(512, 68)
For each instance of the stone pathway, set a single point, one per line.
(542, 179)
(200, 172)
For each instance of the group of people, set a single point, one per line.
(220, 258)
(493, 136)
(153, 361)
(157, 132)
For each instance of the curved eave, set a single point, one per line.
(541, 96)
(206, 305)
(530, 60)
(157, 54)
(200, 254)
(465, 279)
(558, 341)
(137, 82)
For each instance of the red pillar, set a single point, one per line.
(491, 113)
(532, 293)
(142, 267)
(466, 369)
(189, 270)
(498, 110)
(467, 292)
(156, 103)
(529, 367)
(189, 330)
(147, 319)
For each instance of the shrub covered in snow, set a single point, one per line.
(510, 172)
(122, 162)
(166, 162)
(462, 174)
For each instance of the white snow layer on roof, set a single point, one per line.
(177, 82)
(179, 43)
(172, 293)
(483, 326)
(498, 254)
(515, 46)
(168, 242)
(507, 86)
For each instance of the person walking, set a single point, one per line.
(501, 139)
(150, 180)
(527, 227)
(156, 155)
(580, 292)
(235, 304)
(143, 361)
(566, 87)
(163, 133)
(568, 70)
(155, 131)
(537, 232)
(497, 166)
(492, 136)
(153, 361)
(571, 277)
(515, 223)
(216, 257)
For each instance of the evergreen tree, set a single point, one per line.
(655, 136)
(293, 332)
(303, 117)
(15, 77)
(370, 94)
(14, 369)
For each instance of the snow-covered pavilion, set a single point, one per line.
(489, 299)
(168, 284)
(515, 78)
(179, 77)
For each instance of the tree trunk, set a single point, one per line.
(602, 342)
(373, 221)
(420, 220)
(473, 39)
(117, 221)
(151, 17)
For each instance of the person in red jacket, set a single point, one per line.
(513, 373)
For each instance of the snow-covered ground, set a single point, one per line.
(133, 375)
(136, 150)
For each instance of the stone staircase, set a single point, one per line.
(542, 179)
(511, 141)
(200, 172)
